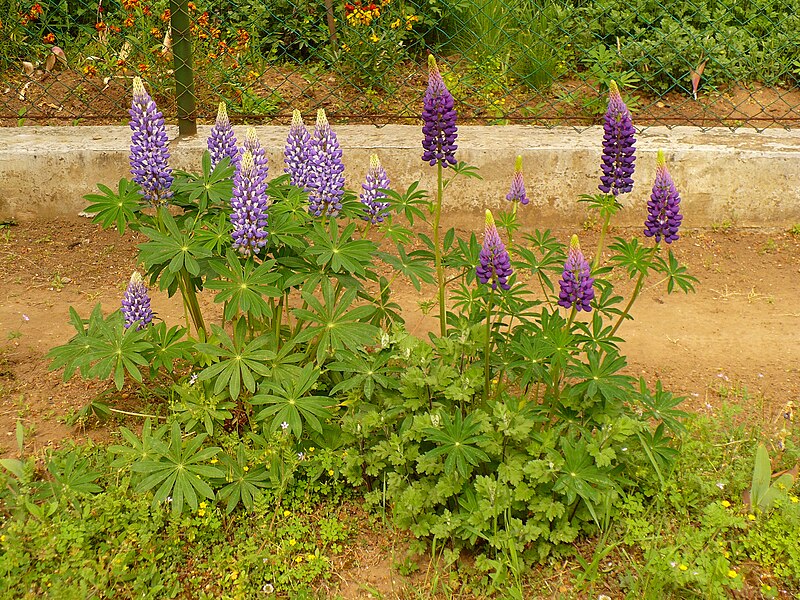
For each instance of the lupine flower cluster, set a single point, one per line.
(136, 303)
(249, 204)
(327, 183)
(149, 156)
(517, 191)
(619, 146)
(253, 145)
(576, 281)
(297, 153)
(663, 209)
(222, 141)
(375, 206)
(494, 265)
(439, 120)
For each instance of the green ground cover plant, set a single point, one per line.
(509, 435)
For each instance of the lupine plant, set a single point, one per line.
(514, 430)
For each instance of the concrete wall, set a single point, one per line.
(746, 178)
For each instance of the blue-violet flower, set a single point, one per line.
(136, 303)
(663, 209)
(149, 147)
(253, 145)
(438, 120)
(327, 184)
(297, 153)
(576, 281)
(619, 146)
(372, 197)
(517, 191)
(249, 204)
(222, 141)
(495, 264)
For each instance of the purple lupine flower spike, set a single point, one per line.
(222, 141)
(619, 146)
(663, 209)
(253, 145)
(249, 204)
(495, 264)
(136, 303)
(517, 192)
(439, 120)
(149, 147)
(327, 184)
(576, 281)
(297, 153)
(373, 199)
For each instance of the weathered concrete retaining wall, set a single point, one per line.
(747, 178)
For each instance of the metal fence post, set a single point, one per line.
(182, 65)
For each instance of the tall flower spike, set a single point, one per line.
(517, 192)
(149, 147)
(136, 303)
(438, 120)
(619, 146)
(297, 153)
(373, 199)
(495, 265)
(249, 204)
(253, 145)
(222, 141)
(576, 281)
(327, 184)
(663, 209)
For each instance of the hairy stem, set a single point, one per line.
(438, 251)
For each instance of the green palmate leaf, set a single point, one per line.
(580, 477)
(215, 234)
(363, 371)
(239, 361)
(396, 233)
(168, 346)
(138, 449)
(198, 408)
(178, 470)
(659, 450)
(245, 481)
(243, 285)
(599, 378)
(457, 439)
(606, 204)
(213, 187)
(532, 357)
(412, 203)
(386, 310)
(417, 270)
(287, 402)
(339, 252)
(73, 475)
(660, 406)
(632, 256)
(114, 350)
(172, 251)
(464, 256)
(332, 324)
(597, 335)
(462, 169)
(118, 208)
(676, 274)
(75, 354)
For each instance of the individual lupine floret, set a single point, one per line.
(439, 120)
(576, 281)
(494, 263)
(249, 204)
(149, 156)
(297, 153)
(252, 144)
(222, 141)
(327, 182)
(517, 191)
(375, 205)
(663, 209)
(619, 146)
(136, 303)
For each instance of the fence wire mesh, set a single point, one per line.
(698, 62)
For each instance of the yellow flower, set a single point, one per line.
(395, 24)
(309, 557)
(245, 468)
(203, 505)
(235, 575)
(312, 447)
(292, 542)
(201, 513)
(751, 517)
(726, 554)
(287, 513)
(725, 504)
(2, 538)
(373, 38)
(732, 574)
(683, 567)
(299, 559)
(330, 472)
(214, 460)
(794, 499)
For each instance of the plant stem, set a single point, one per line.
(437, 249)
(603, 229)
(636, 290)
(488, 347)
(135, 414)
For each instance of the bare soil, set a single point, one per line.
(736, 339)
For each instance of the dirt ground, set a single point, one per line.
(736, 339)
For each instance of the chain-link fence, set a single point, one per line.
(700, 62)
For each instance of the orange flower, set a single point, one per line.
(90, 70)
(115, 29)
(101, 26)
(192, 6)
(50, 38)
(242, 37)
(36, 10)
(165, 16)
(129, 5)
(155, 32)
(146, 11)
(129, 20)
(143, 68)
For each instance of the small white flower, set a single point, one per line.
(284, 426)
(267, 588)
(300, 456)
(193, 379)
(25, 317)
(720, 485)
